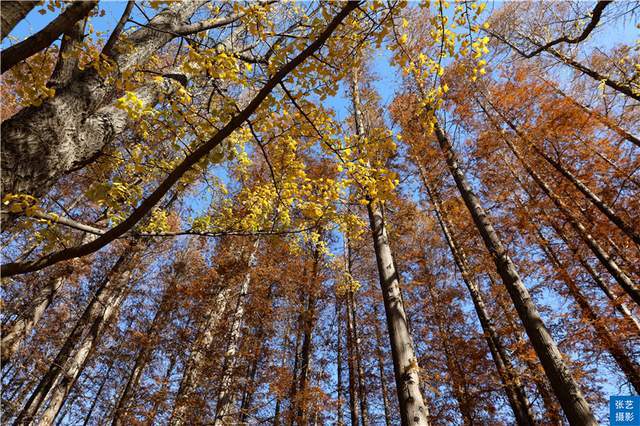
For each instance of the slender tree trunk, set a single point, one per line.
(620, 276)
(598, 116)
(143, 355)
(14, 334)
(307, 345)
(405, 363)
(619, 306)
(225, 397)
(354, 408)
(360, 393)
(625, 227)
(380, 359)
(514, 390)
(573, 403)
(162, 394)
(340, 398)
(66, 368)
(98, 394)
(206, 332)
(607, 340)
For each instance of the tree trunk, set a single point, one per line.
(625, 227)
(18, 330)
(340, 397)
(620, 276)
(514, 390)
(380, 359)
(225, 397)
(405, 363)
(573, 403)
(66, 368)
(41, 144)
(607, 340)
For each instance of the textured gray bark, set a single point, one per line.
(514, 390)
(67, 366)
(12, 12)
(41, 144)
(413, 410)
(573, 403)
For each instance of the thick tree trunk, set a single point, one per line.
(405, 363)
(67, 366)
(514, 390)
(629, 368)
(12, 12)
(573, 403)
(41, 144)
(614, 269)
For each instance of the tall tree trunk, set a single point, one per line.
(405, 363)
(607, 340)
(380, 360)
(67, 366)
(456, 375)
(619, 306)
(340, 397)
(225, 396)
(14, 333)
(625, 227)
(514, 390)
(182, 412)
(307, 344)
(620, 276)
(144, 355)
(358, 370)
(98, 393)
(161, 396)
(573, 403)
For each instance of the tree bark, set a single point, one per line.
(514, 390)
(12, 12)
(380, 360)
(620, 276)
(14, 333)
(225, 397)
(573, 403)
(630, 369)
(65, 369)
(63, 23)
(40, 144)
(405, 363)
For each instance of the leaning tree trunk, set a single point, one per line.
(619, 306)
(14, 333)
(573, 403)
(614, 269)
(600, 204)
(67, 366)
(628, 367)
(514, 390)
(405, 363)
